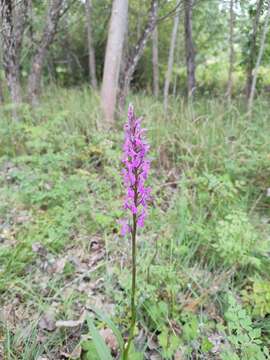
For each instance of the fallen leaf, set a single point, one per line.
(76, 353)
(47, 322)
(97, 257)
(109, 338)
(39, 249)
(178, 355)
(59, 265)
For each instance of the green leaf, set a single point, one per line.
(90, 349)
(133, 354)
(101, 347)
(112, 326)
(206, 345)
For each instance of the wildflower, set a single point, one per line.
(135, 172)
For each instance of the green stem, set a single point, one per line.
(133, 289)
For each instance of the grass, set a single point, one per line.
(206, 235)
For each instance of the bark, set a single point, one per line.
(252, 51)
(1, 80)
(91, 50)
(259, 59)
(137, 54)
(34, 81)
(190, 52)
(1, 93)
(171, 59)
(155, 62)
(114, 49)
(177, 60)
(231, 56)
(13, 15)
(30, 23)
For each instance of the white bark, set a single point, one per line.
(190, 51)
(231, 55)
(171, 58)
(155, 62)
(114, 49)
(91, 50)
(259, 59)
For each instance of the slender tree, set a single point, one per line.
(137, 53)
(252, 49)
(190, 52)
(171, 58)
(34, 81)
(91, 50)
(113, 56)
(13, 16)
(231, 55)
(155, 62)
(1, 80)
(259, 59)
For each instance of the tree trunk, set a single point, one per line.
(258, 61)
(171, 58)
(13, 25)
(190, 52)
(252, 51)
(1, 80)
(113, 56)
(137, 53)
(91, 50)
(155, 62)
(34, 80)
(1, 93)
(231, 56)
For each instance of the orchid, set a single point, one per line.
(135, 173)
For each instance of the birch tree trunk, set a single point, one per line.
(1, 80)
(171, 58)
(137, 54)
(252, 51)
(13, 17)
(155, 62)
(113, 56)
(231, 56)
(259, 59)
(91, 50)
(34, 80)
(190, 52)
(177, 61)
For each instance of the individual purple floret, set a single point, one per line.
(135, 172)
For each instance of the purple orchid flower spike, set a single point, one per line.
(135, 172)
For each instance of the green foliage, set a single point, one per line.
(102, 349)
(236, 240)
(257, 297)
(207, 227)
(244, 340)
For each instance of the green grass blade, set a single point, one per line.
(112, 326)
(102, 349)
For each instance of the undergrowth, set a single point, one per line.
(207, 235)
